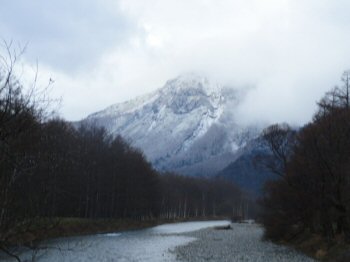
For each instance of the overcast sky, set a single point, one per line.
(108, 51)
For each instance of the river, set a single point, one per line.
(169, 243)
(154, 245)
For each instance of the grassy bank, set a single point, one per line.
(80, 226)
(318, 248)
(40, 229)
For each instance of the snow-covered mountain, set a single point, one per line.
(187, 126)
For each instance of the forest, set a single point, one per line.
(312, 194)
(52, 169)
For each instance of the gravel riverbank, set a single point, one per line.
(241, 243)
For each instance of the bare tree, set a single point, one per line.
(280, 139)
(20, 117)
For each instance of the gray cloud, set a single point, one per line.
(66, 35)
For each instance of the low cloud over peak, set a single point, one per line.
(292, 51)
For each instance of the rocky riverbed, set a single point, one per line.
(240, 243)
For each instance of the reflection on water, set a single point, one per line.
(154, 244)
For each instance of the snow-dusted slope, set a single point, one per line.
(187, 126)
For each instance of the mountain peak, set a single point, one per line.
(192, 81)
